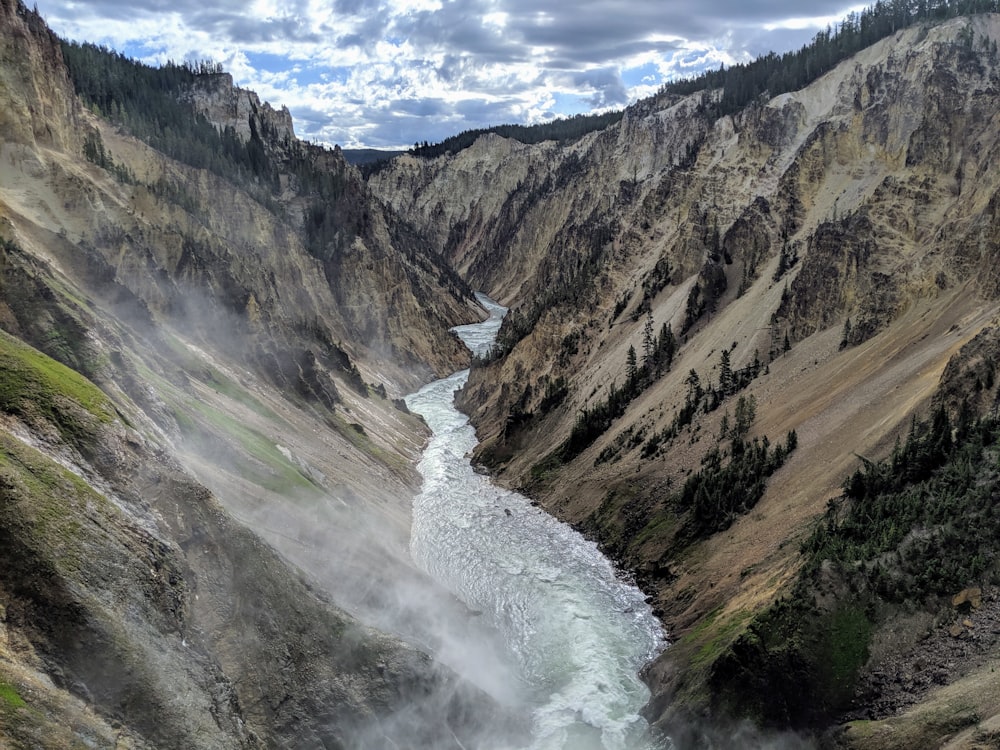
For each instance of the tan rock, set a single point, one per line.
(968, 599)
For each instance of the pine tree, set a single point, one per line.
(782, 263)
(726, 385)
(648, 349)
(666, 347)
(845, 337)
(695, 391)
(724, 426)
(746, 411)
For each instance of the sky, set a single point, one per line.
(390, 73)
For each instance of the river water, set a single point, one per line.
(574, 634)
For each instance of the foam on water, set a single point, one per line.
(576, 634)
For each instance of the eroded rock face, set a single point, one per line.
(181, 541)
(837, 240)
(128, 586)
(229, 106)
(39, 105)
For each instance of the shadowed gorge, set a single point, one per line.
(750, 354)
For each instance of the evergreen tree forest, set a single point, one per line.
(938, 480)
(909, 532)
(592, 422)
(147, 102)
(561, 130)
(722, 490)
(153, 105)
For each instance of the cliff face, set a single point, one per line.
(41, 108)
(229, 106)
(822, 256)
(201, 455)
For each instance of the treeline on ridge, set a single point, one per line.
(151, 103)
(769, 75)
(563, 129)
(773, 74)
(146, 102)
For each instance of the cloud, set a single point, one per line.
(387, 73)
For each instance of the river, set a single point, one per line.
(574, 634)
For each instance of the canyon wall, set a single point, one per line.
(817, 261)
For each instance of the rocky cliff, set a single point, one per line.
(792, 282)
(205, 470)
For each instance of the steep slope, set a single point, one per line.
(126, 585)
(208, 494)
(792, 282)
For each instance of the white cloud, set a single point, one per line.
(386, 73)
(798, 23)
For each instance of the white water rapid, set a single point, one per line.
(575, 634)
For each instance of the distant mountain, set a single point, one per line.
(368, 155)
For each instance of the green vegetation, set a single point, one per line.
(362, 156)
(544, 467)
(713, 635)
(625, 440)
(662, 526)
(917, 524)
(33, 385)
(49, 315)
(176, 193)
(154, 105)
(742, 84)
(520, 417)
(10, 697)
(787, 258)
(259, 461)
(721, 491)
(147, 102)
(699, 398)
(199, 368)
(657, 358)
(94, 151)
(562, 130)
(575, 260)
(796, 664)
(222, 384)
(654, 283)
(44, 502)
(909, 532)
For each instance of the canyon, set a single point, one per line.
(208, 466)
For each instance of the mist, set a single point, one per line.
(304, 477)
(526, 641)
(705, 734)
(307, 483)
